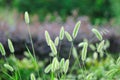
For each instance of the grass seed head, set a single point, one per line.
(81, 44)
(53, 47)
(107, 44)
(32, 76)
(84, 51)
(97, 33)
(66, 66)
(76, 29)
(61, 36)
(26, 15)
(10, 68)
(100, 46)
(2, 50)
(47, 37)
(55, 64)
(62, 62)
(10, 45)
(118, 61)
(95, 55)
(56, 41)
(68, 36)
(47, 69)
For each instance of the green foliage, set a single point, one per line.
(115, 10)
(96, 9)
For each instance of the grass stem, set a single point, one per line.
(33, 50)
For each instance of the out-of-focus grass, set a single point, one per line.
(98, 67)
(7, 15)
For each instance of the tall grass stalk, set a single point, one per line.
(59, 46)
(18, 71)
(61, 37)
(84, 53)
(70, 52)
(77, 61)
(30, 36)
(11, 48)
(52, 76)
(74, 35)
(8, 75)
(3, 52)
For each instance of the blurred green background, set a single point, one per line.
(99, 11)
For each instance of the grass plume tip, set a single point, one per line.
(47, 37)
(32, 76)
(68, 36)
(53, 47)
(84, 51)
(2, 50)
(66, 66)
(26, 16)
(10, 45)
(10, 68)
(56, 41)
(47, 69)
(97, 33)
(76, 29)
(61, 36)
